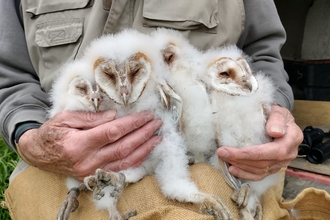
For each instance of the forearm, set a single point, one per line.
(21, 97)
(262, 39)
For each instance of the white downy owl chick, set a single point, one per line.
(131, 72)
(75, 90)
(241, 103)
(184, 61)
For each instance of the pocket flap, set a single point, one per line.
(54, 33)
(193, 12)
(47, 6)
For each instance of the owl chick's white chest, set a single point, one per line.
(235, 125)
(241, 120)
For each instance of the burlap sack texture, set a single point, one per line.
(36, 194)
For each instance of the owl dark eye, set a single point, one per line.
(82, 88)
(110, 76)
(168, 57)
(224, 74)
(136, 71)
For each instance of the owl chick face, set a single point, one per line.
(123, 81)
(233, 77)
(83, 91)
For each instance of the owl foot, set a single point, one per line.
(241, 196)
(129, 214)
(257, 212)
(215, 206)
(114, 180)
(102, 179)
(70, 203)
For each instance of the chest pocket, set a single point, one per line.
(181, 15)
(206, 23)
(53, 32)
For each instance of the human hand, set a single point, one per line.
(256, 162)
(77, 143)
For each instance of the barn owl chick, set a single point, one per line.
(131, 72)
(183, 61)
(75, 90)
(241, 103)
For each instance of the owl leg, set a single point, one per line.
(70, 203)
(242, 195)
(191, 158)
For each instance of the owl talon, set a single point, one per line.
(214, 206)
(241, 196)
(129, 214)
(90, 182)
(102, 179)
(257, 214)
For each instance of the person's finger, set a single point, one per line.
(260, 168)
(278, 149)
(136, 158)
(247, 175)
(83, 120)
(121, 149)
(277, 120)
(126, 145)
(116, 129)
(269, 151)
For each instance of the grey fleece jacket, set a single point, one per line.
(23, 99)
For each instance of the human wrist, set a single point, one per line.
(23, 127)
(24, 136)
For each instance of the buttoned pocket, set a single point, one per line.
(54, 31)
(181, 15)
(58, 32)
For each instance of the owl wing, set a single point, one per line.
(171, 101)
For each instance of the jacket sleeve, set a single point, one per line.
(262, 39)
(21, 97)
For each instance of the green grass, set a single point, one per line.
(8, 161)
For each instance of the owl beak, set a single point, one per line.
(248, 86)
(125, 94)
(125, 99)
(96, 104)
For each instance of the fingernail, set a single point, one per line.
(232, 170)
(223, 153)
(158, 124)
(111, 114)
(277, 129)
(243, 156)
(158, 140)
(147, 115)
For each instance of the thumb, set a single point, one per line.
(85, 120)
(276, 123)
